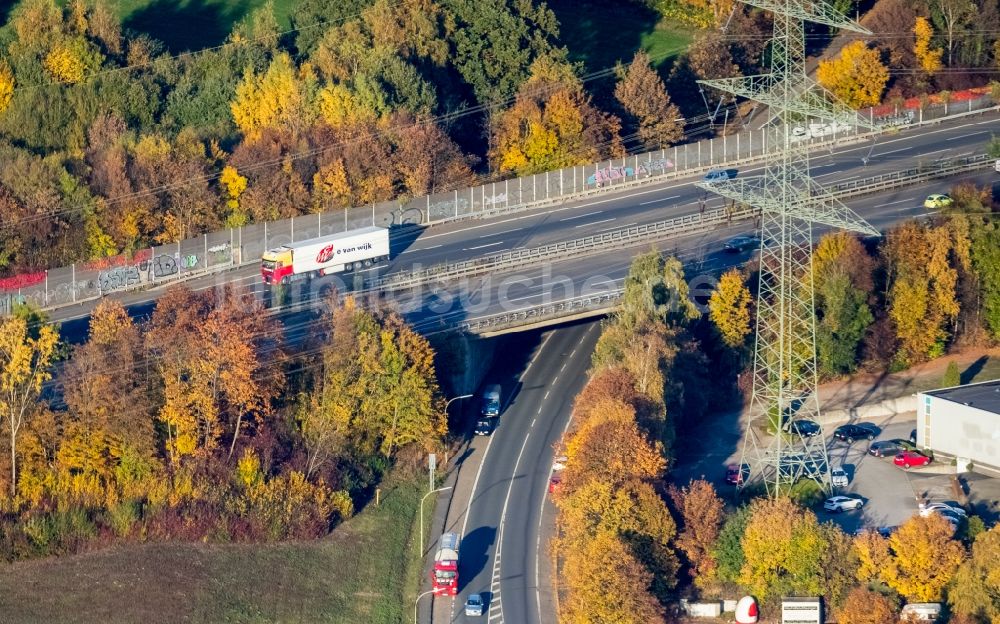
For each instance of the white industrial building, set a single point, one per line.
(962, 423)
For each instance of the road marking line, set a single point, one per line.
(479, 471)
(617, 227)
(594, 223)
(895, 202)
(563, 367)
(499, 233)
(965, 136)
(663, 199)
(420, 249)
(483, 246)
(503, 511)
(546, 395)
(532, 424)
(581, 216)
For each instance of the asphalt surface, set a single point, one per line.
(504, 553)
(417, 247)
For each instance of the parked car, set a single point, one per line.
(559, 463)
(554, 483)
(924, 611)
(485, 426)
(889, 448)
(474, 605)
(938, 200)
(741, 243)
(737, 474)
(837, 504)
(909, 459)
(805, 428)
(932, 508)
(850, 433)
(838, 476)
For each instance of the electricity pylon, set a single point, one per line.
(790, 203)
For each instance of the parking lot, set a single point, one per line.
(891, 494)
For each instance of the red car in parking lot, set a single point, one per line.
(908, 459)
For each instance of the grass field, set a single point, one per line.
(368, 570)
(599, 33)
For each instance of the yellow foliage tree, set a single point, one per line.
(872, 550)
(234, 185)
(339, 107)
(6, 85)
(924, 557)
(552, 124)
(72, 59)
(729, 308)
(856, 76)
(930, 60)
(787, 545)
(25, 357)
(278, 98)
(607, 584)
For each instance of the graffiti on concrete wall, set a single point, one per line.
(493, 200)
(653, 166)
(610, 174)
(118, 278)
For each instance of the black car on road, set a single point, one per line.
(741, 243)
(485, 425)
(850, 433)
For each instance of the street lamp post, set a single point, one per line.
(421, 529)
(448, 404)
(416, 603)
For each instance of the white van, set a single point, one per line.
(923, 611)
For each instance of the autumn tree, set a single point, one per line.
(609, 445)
(631, 509)
(729, 308)
(924, 558)
(839, 563)
(864, 606)
(842, 283)
(787, 545)
(928, 58)
(607, 583)
(26, 354)
(976, 588)
(6, 85)
(378, 388)
(105, 385)
(552, 124)
(922, 288)
(701, 512)
(857, 76)
(281, 97)
(642, 94)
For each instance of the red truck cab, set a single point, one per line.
(276, 266)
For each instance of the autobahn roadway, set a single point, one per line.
(504, 551)
(421, 247)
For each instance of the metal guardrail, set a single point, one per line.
(657, 231)
(596, 304)
(224, 250)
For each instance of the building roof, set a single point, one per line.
(984, 395)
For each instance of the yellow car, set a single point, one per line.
(937, 201)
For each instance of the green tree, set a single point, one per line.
(728, 548)
(975, 590)
(952, 376)
(986, 264)
(656, 291)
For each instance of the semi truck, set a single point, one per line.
(335, 253)
(444, 574)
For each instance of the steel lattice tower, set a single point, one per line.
(790, 202)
